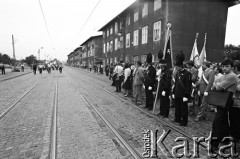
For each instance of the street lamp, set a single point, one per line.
(39, 53)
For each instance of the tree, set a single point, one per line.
(31, 59)
(4, 58)
(232, 52)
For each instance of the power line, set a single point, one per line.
(45, 22)
(86, 21)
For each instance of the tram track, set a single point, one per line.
(162, 121)
(53, 135)
(131, 150)
(17, 101)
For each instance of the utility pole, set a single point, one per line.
(14, 58)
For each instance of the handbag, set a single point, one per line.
(218, 98)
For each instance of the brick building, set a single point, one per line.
(75, 57)
(92, 50)
(141, 28)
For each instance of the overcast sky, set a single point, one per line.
(65, 20)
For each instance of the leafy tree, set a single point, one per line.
(232, 52)
(4, 58)
(31, 59)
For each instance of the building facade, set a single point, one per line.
(75, 57)
(92, 50)
(141, 28)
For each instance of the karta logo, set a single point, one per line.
(152, 144)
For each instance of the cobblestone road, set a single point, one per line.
(22, 130)
(14, 88)
(83, 135)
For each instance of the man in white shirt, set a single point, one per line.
(119, 71)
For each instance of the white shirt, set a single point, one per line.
(118, 69)
(127, 73)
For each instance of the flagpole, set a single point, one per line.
(166, 40)
(171, 47)
(165, 46)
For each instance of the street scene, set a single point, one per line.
(119, 79)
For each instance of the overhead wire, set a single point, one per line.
(45, 23)
(86, 21)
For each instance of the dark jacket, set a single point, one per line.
(150, 76)
(165, 81)
(183, 84)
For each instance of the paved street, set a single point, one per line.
(25, 131)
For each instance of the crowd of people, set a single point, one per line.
(176, 86)
(48, 67)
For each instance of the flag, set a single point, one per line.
(167, 54)
(203, 56)
(195, 56)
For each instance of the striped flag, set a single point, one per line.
(203, 56)
(195, 56)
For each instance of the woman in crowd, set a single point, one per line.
(126, 82)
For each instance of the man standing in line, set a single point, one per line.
(181, 91)
(221, 127)
(164, 89)
(205, 85)
(149, 82)
(119, 73)
(138, 84)
(194, 96)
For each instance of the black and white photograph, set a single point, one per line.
(119, 79)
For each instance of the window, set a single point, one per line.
(103, 34)
(128, 40)
(111, 30)
(143, 58)
(107, 32)
(111, 46)
(127, 58)
(111, 60)
(108, 47)
(155, 58)
(157, 4)
(144, 34)
(116, 44)
(121, 25)
(157, 31)
(128, 20)
(144, 9)
(104, 49)
(115, 59)
(116, 27)
(135, 58)
(135, 15)
(135, 38)
(120, 42)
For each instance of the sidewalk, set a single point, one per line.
(9, 75)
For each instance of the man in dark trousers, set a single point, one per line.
(149, 82)
(181, 91)
(34, 68)
(164, 89)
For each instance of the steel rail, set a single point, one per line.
(17, 101)
(53, 136)
(133, 152)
